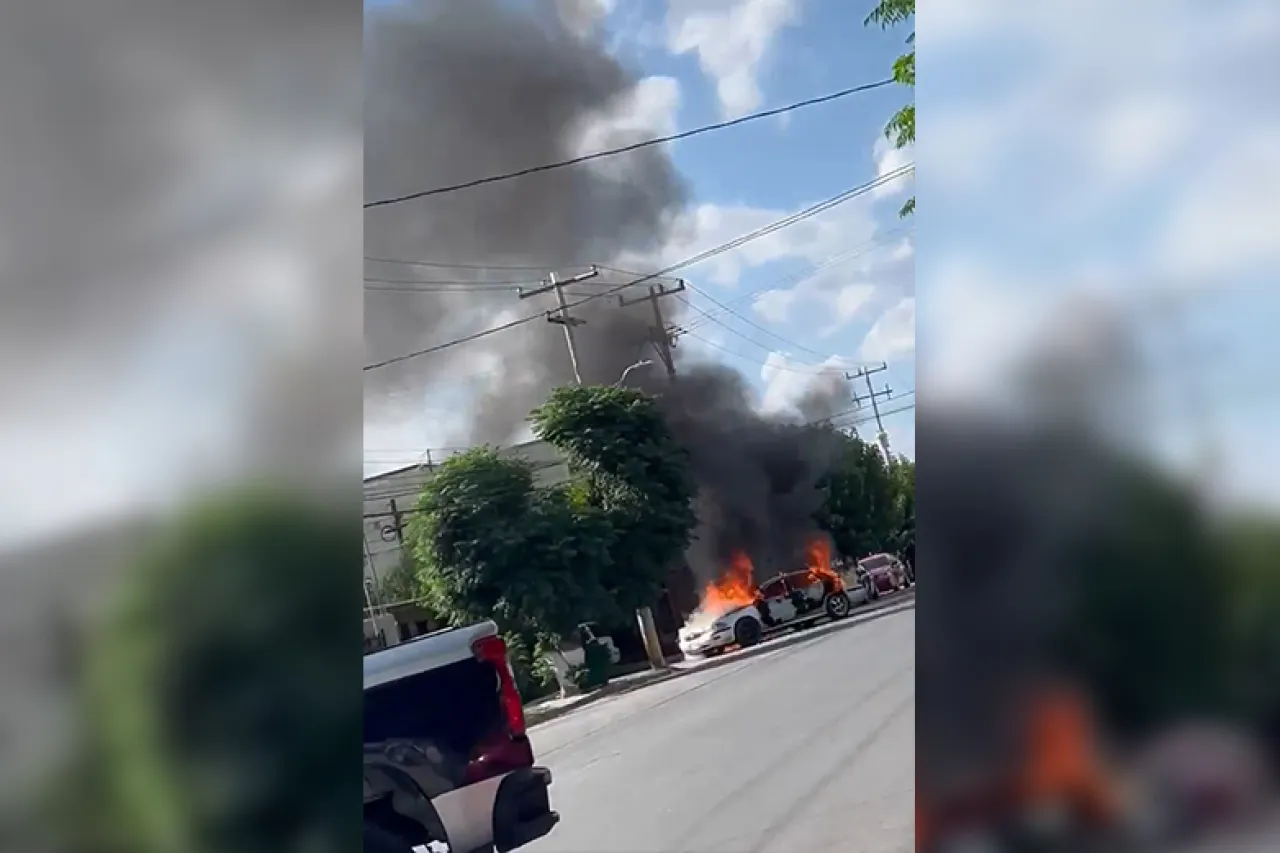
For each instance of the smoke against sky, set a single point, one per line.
(457, 91)
(757, 475)
(462, 90)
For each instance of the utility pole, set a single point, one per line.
(648, 627)
(374, 601)
(562, 317)
(865, 373)
(663, 340)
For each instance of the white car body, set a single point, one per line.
(703, 636)
(775, 611)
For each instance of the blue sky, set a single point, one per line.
(1095, 169)
(831, 292)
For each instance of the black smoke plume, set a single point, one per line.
(757, 476)
(457, 91)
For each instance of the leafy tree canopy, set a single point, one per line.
(219, 715)
(901, 129)
(630, 470)
(489, 544)
(862, 508)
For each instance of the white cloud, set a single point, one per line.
(583, 17)
(975, 324)
(888, 158)
(731, 39)
(707, 226)
(646, 110)
(1227, 217)
(788, 382)
(1092, 115)
(775, 305)
(894, 334)
(848, 303)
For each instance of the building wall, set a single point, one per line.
(383, 547)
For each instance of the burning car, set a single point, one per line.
(736, 612)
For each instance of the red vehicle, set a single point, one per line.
(887, 573)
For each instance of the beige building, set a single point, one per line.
(389, 501)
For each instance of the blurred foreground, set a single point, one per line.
(1098, 643)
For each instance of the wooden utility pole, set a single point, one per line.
(663, 340)
(648, 628)
(562, 316)
(865, 373)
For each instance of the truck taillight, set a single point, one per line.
(500, 752)
(493, 650)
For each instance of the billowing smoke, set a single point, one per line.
(757, 475)
(457, 91)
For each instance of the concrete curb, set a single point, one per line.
(535, 717)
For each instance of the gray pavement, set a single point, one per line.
(807, 748)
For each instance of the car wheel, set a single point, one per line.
(837, 605)
(747, 632)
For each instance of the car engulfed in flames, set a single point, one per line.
(736, 611)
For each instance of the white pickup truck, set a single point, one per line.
(447, 763)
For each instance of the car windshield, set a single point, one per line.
(879, 561)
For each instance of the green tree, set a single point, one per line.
(219, 714)
(629, 471)
(401, 583)
(1149, 613)
(903, 474)
(901, 129)
(490, 545)
(1249, 549)
(861, 509)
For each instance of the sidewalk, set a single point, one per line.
(545, 710)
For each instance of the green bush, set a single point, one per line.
(534, 676)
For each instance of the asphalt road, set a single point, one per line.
(805, 749)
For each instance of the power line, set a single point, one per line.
(450, 282)
(502, 288)
(445, 265)
(753, 296)
(774, 335)
(814, 369)
(867, 419)
(684, 330)
(635, 146)
(778, 225)
(465, 291)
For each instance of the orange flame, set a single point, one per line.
(819, 553)
(735, 588)
(1063, 758)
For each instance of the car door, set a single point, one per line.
(807, 592)
(775, 602)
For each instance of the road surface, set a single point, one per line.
(805, 749)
